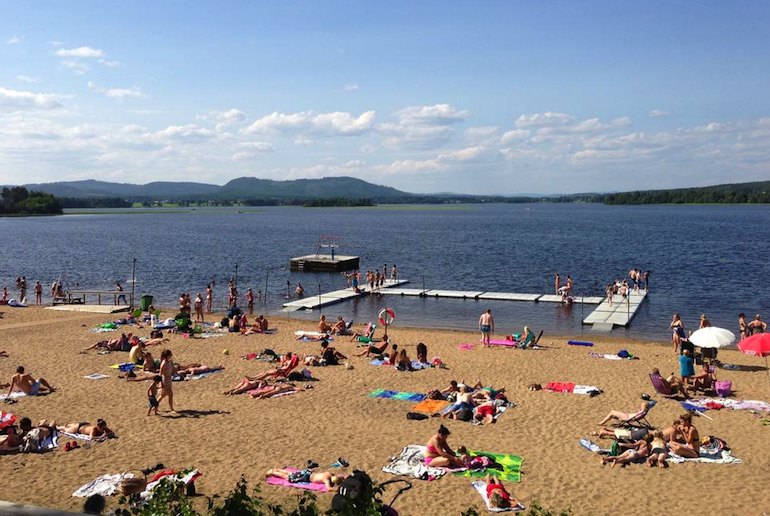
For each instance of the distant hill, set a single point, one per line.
(243, 188)
(757, 192)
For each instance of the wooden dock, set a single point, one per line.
(330, 298)
(620, 313)
(324, 263)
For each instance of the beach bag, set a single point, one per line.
(464, 415)
(416, 416)
(353, 494)
(723, 387)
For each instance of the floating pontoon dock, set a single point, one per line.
(605, 317)
(323, 263)
(620, 313)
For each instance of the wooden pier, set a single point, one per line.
(312, 302)
(324, 263)
(620, 313)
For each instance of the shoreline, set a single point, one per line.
(228, 436)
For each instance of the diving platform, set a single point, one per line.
(324, 263)
(619, 313)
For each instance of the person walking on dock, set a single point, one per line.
(557, 284)
(486, 326)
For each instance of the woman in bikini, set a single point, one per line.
(438, 454)
(98, 431)
(742, 326)
(677, 331)
(498, 497)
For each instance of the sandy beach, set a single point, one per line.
(226, 437)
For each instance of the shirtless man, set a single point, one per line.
(557, 283)
(339, 328)
(25, 383)
(327, 478)
(691, 446)
(167, 372)
(375, 350)
(486, 326)
(323, 326)
(99, 431)
(757, 325)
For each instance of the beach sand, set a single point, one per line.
(226, 437)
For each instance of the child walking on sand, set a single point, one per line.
(152, 395)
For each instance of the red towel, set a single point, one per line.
(559, 386)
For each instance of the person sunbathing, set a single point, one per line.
(119, 344)
(498, 497)
(403, 362)
(377, 351)
(251, 330)
(366, 336)
(268, 391)
(329, 356)
(624, 434)
(245, 385)
(323, 326)
(10, 440)
(485, 413)
(690, 445)
(704, 380)
(438, 454)
(289, 362)
(658, 452)
(194, 369)
(340, 328)
(327, 478)
(636, 452)
(99, 431)
(464, 402)
(625, 416)
(672, 383)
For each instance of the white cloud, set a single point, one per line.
(548, 119)
(109, 63)
(122, 93)
(657, 113)
(13, 40)
(76, 66)
(514, 135)
(81, 52)
(14, 100)
(26, 78)
(350, 87)
(333, 124)
(481, 133)
(415, 136)
(431, 115)
(227, 118)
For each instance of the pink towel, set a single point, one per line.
(465, 346)
(275, 481)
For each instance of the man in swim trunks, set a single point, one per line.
(25, 383)
(305, 476)
(486, 326)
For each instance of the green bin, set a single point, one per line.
(145, 301)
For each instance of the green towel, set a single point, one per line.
(510, 464)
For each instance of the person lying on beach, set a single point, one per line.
(482, 393)
(193, 369)
(373, 350)
(625, 416)
(445, 393)
(624, 434)
(658, 452)
(245, 385)
(268, 391)
(464, 402)
(485, 413)
(365, 337)
(498, 497)
(313, 336)
(637, 451)
(119, 344)
(25, 383)
(99, 431)
(251, 330)
(438, 454)
(10, 440)
(289, 362)
(305, 476)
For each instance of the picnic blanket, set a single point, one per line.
(310, 486)
(506, 467)
(481, 487)
(411, 462)
(404, 396)
(430, 406)
(570, 387)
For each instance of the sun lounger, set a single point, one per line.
(640, 418)
(662, 387)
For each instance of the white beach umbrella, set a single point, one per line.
(712, 337)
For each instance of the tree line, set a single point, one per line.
(18, 200)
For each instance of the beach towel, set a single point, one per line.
(310, 486)
(481, 487)
(403, 396)
(593, 447)
(579, 343)
(105, 485)
(590, 390)
(6, 419)
(506, 467)
(125, 367)
(466, 346)
(411, 462)
(417, 365)
(430, 406)
(96, 376)
(13, 395)
(707, 456)
(379, 362)
(731, 404)
(210, 335)
(103, 330)
(606, 355)
(184, 477)
(199, 376)
(559, 386)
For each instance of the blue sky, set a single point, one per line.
(430, 96)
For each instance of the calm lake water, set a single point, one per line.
(704, 259)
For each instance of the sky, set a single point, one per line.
(483, 97)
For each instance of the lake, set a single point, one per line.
(704, 259)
